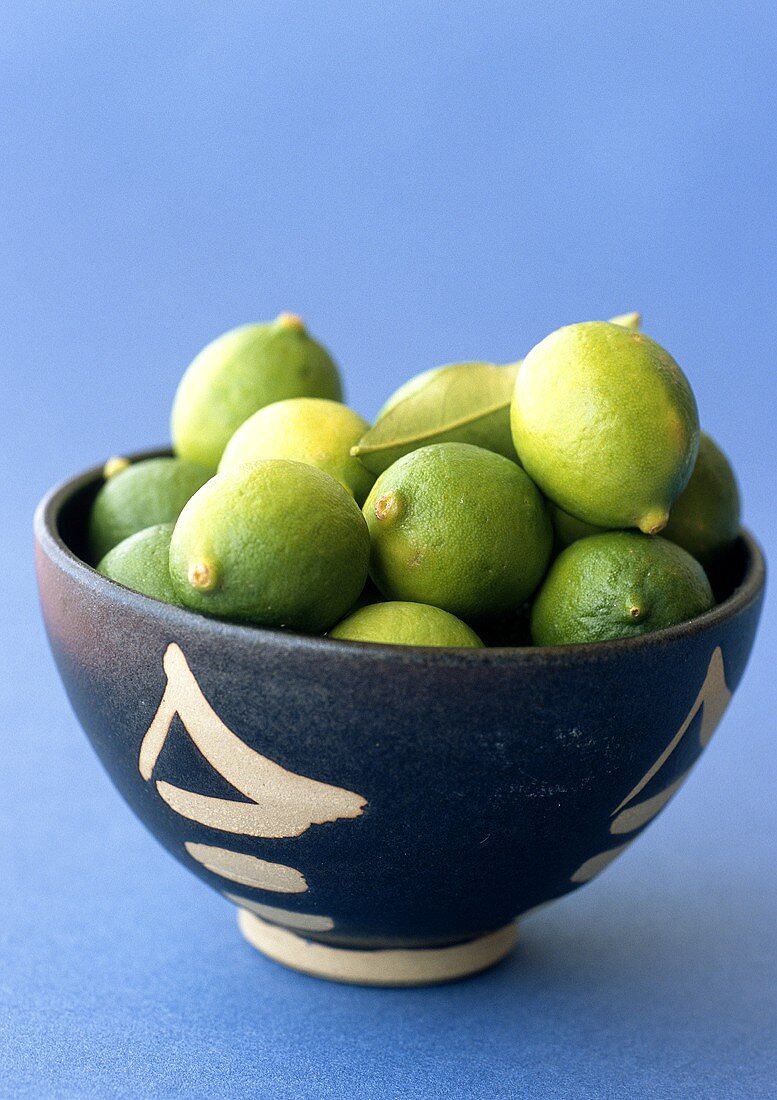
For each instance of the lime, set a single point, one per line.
(140, 495)
(569, 528)
(277, 543)
(400, 623)
(705, 517)
(458, 527)
(141, 562)
(305, 429)
(604, 421)
(240, 372)
(617, 585)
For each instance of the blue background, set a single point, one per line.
(423, 182)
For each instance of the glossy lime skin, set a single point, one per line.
(401, 623)
(144, 494)
(141, 562)
(304, 429)
(240, 372)
(460, 528)
(604, 421)
(282, 544)
(705, 518)
(618, 585)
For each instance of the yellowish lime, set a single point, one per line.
(304, 429)
(604, 421)
(242, 371)
(400, 623)
(276, 543)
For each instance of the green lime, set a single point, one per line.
(705, 517)
(277, 543)
(400, 623)
(569, 528)
(141, 562)
(140, 495)
(304, 429)
(458, 527)
(617, 585)
(242, 371)
(604, 421)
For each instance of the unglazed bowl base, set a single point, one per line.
(387, 967)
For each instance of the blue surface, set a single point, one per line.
(425, 183)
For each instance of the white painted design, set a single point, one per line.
(248, 870)
(634, 817)
(593, 866)
(712, 700)
(282, 803)
(224, 814)
(287, 918)
(388, 967)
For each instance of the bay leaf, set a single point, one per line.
(459, 403)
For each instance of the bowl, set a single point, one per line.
(379, 814)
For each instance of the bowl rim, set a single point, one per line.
(51, 543)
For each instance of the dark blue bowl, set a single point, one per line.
(383, 814)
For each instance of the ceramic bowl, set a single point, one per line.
(380, 814)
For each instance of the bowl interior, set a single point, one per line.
(70, 517)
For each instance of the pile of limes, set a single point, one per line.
(565, 498)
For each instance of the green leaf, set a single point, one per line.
(461, 403)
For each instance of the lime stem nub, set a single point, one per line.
(115, 465)
(202, 576)
(290, 320)
(653, 522)
(386, 506)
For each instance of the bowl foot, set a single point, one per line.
(393, 967)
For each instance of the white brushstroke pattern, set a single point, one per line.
(634, 817)
(713, 697)
(595, 864)
(283, 803)
(307, 922)
(248, 870)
